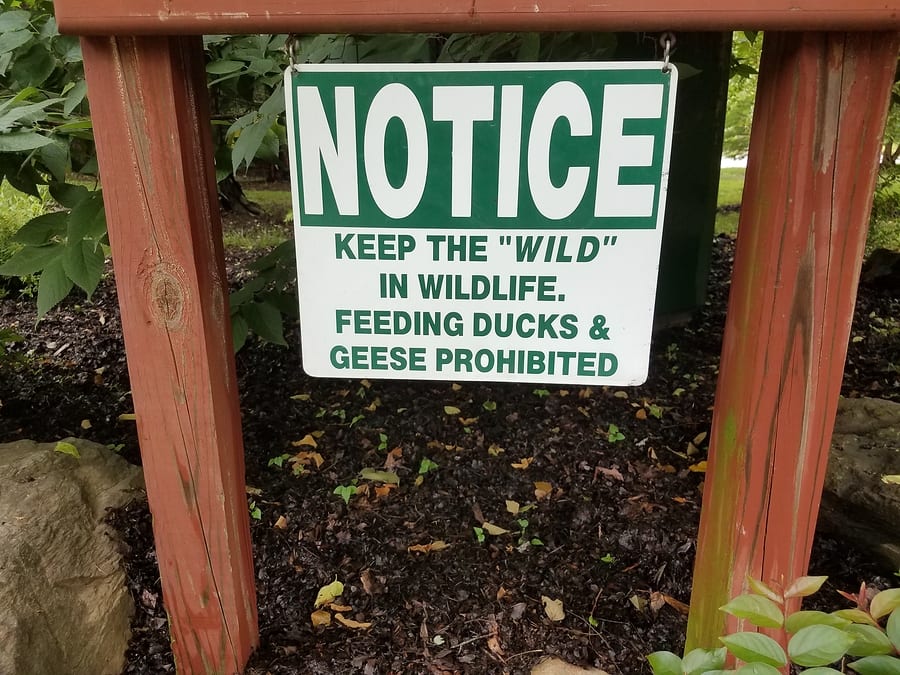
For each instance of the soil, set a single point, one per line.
(606, 522)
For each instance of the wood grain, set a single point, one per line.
(372, 16)
(820, 113)
(151, 125)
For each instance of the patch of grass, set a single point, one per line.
(274, 202)
(16, 209)
(727, 223)
(731, 186)
(254, 238)
(883, 234)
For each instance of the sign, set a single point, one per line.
(496, 222)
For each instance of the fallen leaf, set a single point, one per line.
(394, 459)
(467, 421)
(494, 450)
(320, 618)
(305, 458)
(692, 449)
(640, 604)
(493, 641)
(587, 392)
(437, 545)
(611, 473)
(300, 397)
(456, 387)
(365, 383)
(451, 410)
(127, 417)
(666, 468)
(306, 440)
(86, 424)
(379, 476)
(281, 523)
(250, 490)
(641, 414)
(676, 604)
(512, 506)
(350, 623)
(334, 607)
(419, 480)
(67, 449)
(384, 490)
(891, 479)
(495, 530)
(553, 608)
(369, 583)
(328, 593)
(621, 394)
(699, 467)
(523, 463)
(501, 593)
(373, 406)
(699, 438)
(657, 601)
(542, 489)
(680, 500)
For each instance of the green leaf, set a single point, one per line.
(869, 641)
(41, 229)
(68, 194)
(665, 663)
(822, 671)
(427, 465)
(23, 114)
(83, 264)
(53, 286)
(13, 20)
(34, 66)
(884, 603)
(223, 67)
(855, 616)
(345, 492)
(893, 629)
(818, 645)
(75, 96)
(757, 609)
(758, 669)
(247, 144)
(55, 157)
(877, 665)
(699, 660)
(23, 141)
(31, 259)
(379, 476)
(67, 449)
(752, 647)
(805, 618)
(760, 588)
(13, 40)
(239, 330)
(264, 320)
(88, 219)
(804, 586)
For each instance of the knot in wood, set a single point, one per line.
(167, 299)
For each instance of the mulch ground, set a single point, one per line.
(606, 522)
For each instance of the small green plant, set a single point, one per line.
(490, 406)
(614, 435)
(523, 534)
(255, 511)
(816, 641)
(479, 534)
(541, 393)
(278, 460)
(426, 466)
(609, 559)
(382, 441)
(7, 337)
(345, 492)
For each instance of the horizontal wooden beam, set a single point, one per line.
(137, 17)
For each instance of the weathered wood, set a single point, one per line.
(819, 117)
(372, 16)
(151, 125)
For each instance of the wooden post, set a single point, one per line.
(151, 121)
(819, 119)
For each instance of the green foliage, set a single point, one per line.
(817, 640)
(745, 53)
(345, 492)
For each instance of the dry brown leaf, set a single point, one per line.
(373, 406)
(300, 397)
(369, 582)
(437, 545)
(523, 463)
(641, 414)
(455, 387)
(467, 421)
(676, 604)
(493, 641)
(656, 601)
(320, 618)
(434, 445)
(492, 529)
(394, 458)
(281, 523)
(501, 593)
(563, 393)
(308, 440)
(587, 392)
(305, 458)
(542, 489)
(451, 410)
(350, 623)
(666, 468)
(699, 467)
(494, 450)
(611, 473)
(553, 608)
(621, 394)
(699, 438)
(680, 500)
(512, 506)
(366, 384)
(692, 449)
(385, 489)
(85, 424)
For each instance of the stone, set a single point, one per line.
(64, 605)
(857, 505)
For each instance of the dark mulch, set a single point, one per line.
(615, 536)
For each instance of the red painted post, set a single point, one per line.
(151, 122)
(819, 120)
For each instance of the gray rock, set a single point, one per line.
(856, 504)
(64, 606)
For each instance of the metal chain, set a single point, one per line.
(667, 42)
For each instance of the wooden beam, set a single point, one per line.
(819, 118)
(356, 16)
(151, 125)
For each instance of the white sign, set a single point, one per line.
(496, 222)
